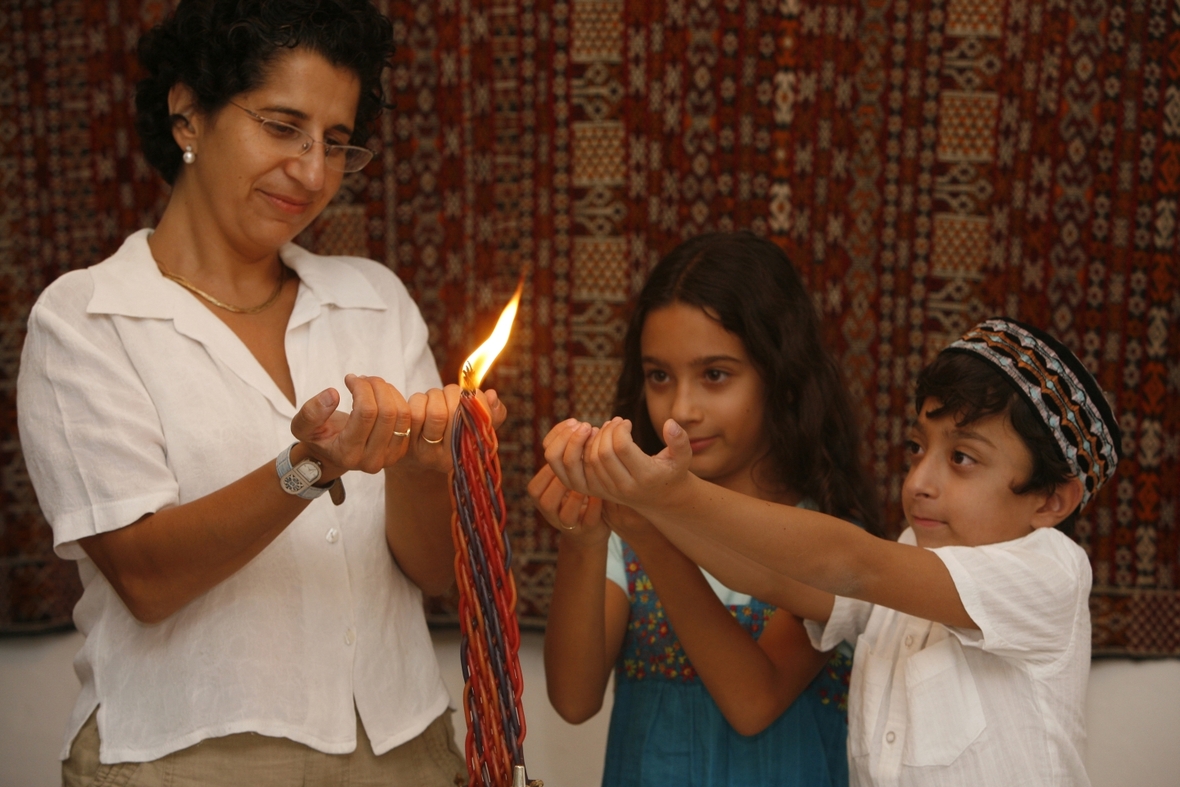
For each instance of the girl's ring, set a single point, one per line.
(568, 527)
(402, 434)
(432, 442)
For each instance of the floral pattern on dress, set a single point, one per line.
(650, 647)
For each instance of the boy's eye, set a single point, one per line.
(912, 448)
(960, 458)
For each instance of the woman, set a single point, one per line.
(240, 628)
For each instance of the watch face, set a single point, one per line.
(309, 471)
(293, 483)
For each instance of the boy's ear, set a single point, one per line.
(1062, 502)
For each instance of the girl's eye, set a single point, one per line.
(960, 458)
(657, 376)
(716, 375)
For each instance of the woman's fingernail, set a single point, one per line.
(674, 429)
(327, 398)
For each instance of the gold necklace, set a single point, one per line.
(229, 307)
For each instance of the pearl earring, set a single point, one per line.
(189, 157)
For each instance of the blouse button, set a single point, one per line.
(909, 639)
(890, 737)
(350, 637)
(333, 536)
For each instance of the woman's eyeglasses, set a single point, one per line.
(293, 141)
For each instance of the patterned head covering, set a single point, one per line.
(1060, 389)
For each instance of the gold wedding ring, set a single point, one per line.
(402, 434)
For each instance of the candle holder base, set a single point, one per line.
(520, 780)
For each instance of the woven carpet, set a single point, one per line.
(925, 163)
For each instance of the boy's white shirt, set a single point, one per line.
(937, 705)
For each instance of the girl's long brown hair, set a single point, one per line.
(750, 286)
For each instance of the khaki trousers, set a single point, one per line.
(251, 760)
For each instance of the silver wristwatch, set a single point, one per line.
(300, 480)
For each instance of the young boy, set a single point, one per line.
(972, 632)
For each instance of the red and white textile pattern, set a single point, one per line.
(927, 163)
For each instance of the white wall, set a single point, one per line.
(1133, 710)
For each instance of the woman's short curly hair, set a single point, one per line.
(220, 48)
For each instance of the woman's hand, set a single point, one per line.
(373, 436)
(433, 419)
(576, 516)
(383, 428)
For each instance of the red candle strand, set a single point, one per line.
(487, 602)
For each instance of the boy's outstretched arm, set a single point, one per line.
(749, 576)
(818, 550)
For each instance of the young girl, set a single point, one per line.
(712, 687)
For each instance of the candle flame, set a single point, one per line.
(479, 362)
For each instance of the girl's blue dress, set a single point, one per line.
(666, 731)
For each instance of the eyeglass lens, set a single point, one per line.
(295, 142)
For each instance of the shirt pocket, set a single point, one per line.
(944, 714)
(866, 692)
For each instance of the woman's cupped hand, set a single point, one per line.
(384, 428)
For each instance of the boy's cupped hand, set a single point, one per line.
(605, 462)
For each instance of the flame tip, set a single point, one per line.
(477, 364)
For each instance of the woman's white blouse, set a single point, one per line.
(132, 397)
(931, 705)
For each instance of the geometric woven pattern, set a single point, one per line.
(961, 245)
(594, 380)
(966, 126)
(926, 164)
(601, 269)
(597, 31)
(975, 17)
(598, 153)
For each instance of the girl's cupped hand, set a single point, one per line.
(605, 462)
(577, 516)
(583, 518)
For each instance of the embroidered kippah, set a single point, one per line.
(1060, 389)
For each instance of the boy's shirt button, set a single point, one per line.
(890, 737)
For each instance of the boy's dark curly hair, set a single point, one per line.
(968, 388)
(220, 48)
(750, 287)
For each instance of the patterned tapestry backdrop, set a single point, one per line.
(926, 164)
